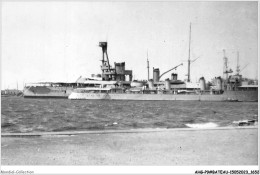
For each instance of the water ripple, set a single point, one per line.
(50, 115)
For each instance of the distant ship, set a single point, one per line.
(11, 92)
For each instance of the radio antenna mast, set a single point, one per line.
(226, 71)
(238, 67)
(148, 66)
(189, 56)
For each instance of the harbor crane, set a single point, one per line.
(170, 70)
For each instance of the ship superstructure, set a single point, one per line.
(118, 73)
(114, 87)
(116, 82)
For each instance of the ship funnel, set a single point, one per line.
(156, 74)
(202, 84)
(150, 84)
(167, 84)
(174, 76)
(218, 83)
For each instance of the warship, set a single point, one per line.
(114, 86)
(116, 83)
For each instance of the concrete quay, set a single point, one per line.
(186, 146)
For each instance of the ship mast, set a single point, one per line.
(189, 56)
(148, 66)
(238, 67)
(226, 71)
(105, 67)
(225, 63)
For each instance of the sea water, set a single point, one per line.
(25, 115)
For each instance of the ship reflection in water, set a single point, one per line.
(50, 115)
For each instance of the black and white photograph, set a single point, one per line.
(125, 87)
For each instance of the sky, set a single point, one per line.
(58, 40)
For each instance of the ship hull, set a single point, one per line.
(47, 92)
(227, 96)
